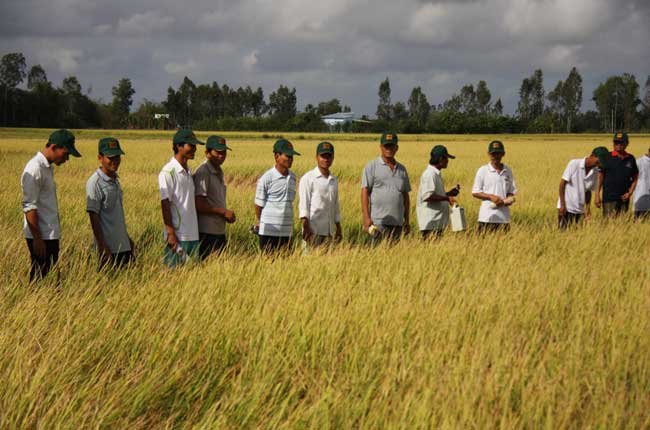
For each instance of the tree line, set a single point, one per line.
(210, 106)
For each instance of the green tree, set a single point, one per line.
(122, 100)
(617, 101)
(531, 97)
(329, 107)
(282, 103)
(12, 73)
(36, 77)
(483, 97)
(384, 108)
(498, 107)
(419, 108)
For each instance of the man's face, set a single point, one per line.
(389, 151)
(283, 160)
(592, 161)
(110, 164)
(61, 155)
(620, 146)
(187, 151)
(444, 162)
(496, 157)
(325, 160)
(216, 157)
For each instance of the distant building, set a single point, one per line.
(341, 118)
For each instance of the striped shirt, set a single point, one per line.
(275, 194)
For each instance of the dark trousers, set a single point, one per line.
(40, 266)
(641, 215)
(612, 209)
(274, 243)
(117, 261)
(431, 234)
(391, 233)
(211, 243)
(491, 227)
(564, 221)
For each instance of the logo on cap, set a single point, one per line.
(222, 141)
(289, 145)
(112, 144)
(389, 137)
(619, 135)
(327, 146)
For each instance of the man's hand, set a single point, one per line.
(597, 201)
(307, 234)
(451, 200)
(454, 191)
(625, 197)
(406, 228)
(229, 216)
(367, 222)
(172, 241)
(562, 211)
(496, 200)
(39, 248)
(338, 236)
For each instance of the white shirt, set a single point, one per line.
(39, 193)
(275, 194)
(577, 184)
(642, 190)
(432, 215)
(319, 202)
(176, 185)
(502, 183)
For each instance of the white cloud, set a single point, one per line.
(144, 24)
(249, 61)
(102, 29)
(429, 24)
(66, 60)
(562, 57)
(180, 69)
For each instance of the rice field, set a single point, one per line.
(533, 329)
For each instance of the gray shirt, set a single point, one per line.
(386, 188)
(104, 197)
(39, 193)
(209, 183)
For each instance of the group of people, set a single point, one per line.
(195, 211)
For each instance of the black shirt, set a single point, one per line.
(619, 175)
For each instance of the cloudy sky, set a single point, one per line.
(335, 48)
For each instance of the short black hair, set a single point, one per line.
(435, 160)
(175, 147)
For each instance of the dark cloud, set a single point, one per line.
(340, 48)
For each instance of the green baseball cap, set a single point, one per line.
(621, 137)
(110, 147)
(65, 139)
(283, 146)
(388, 138)
(185, 135)
(496, 146)
(440, 151)
(325, 148)
(602, 153)
(217, 143)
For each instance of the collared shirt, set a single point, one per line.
(209, 183)
(176, 185)
(104, 197)
(502, 183)
(39, 193)
(319, 202)
(386, 188)
(432, 215)
(620, 171)
(578, 182)
(642, 190)
(275, 194)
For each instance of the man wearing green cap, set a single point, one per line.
(642, 190)
(318, 204)
(579, 180)
(274, 195)
(177, 200)
(617, 179)
(433, 202)
(494, 184)
(104, 207)
(210, 192)
(41, 223)
(385, 188)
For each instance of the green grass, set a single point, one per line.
(534, 329)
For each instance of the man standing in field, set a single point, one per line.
(210, 191)
(177, 200)
(385, 188)
(578, 181)
(41, 211)
(318, 206)
(617, 179)
(274, 195)
(494, 184)
(104, 207)
(642, 190)
(433, 203)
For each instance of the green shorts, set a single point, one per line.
(190, 252)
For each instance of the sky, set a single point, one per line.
(338, 48)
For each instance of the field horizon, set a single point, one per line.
(536, 328)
